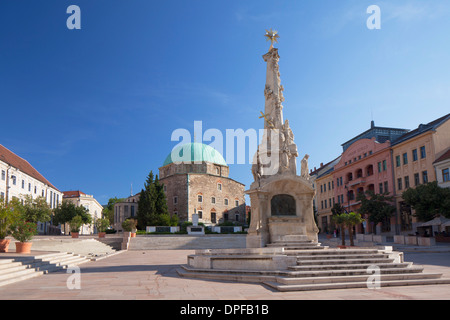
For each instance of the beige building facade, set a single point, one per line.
(442, 169)
(94, 208)
(124, 210)
(413, 157)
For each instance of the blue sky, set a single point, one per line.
(94, 109)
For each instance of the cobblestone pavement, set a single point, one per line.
(151, 275)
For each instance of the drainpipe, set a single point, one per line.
(187, 184)
(7, 185)
(394, 190)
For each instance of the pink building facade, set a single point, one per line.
(365, 165)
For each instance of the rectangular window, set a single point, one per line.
(416, 179)
(423, 153)
(14, 180)
(384, 165)
(3, 175)
(175, 200)
(236, 203)
(425, 176)
(446, 175)
(200, 214)
(200, 198)
(213, 217)
(29, 187)
(380, 186)
(405, 158)
(213, 200)
(132, 211)
(397, 161)
(23, 184)
(399, 183)
(379, 166)
(219, 186)
(386, 187)
(225, 202)
(414, 155)
(406, 182)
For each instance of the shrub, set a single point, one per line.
(129, 225)
(76, 223)
(23, 231)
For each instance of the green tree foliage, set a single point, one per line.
(67, 211)
(337, 209)
(351, 220)
(32, 210)
(108, 210)
(428, 200)
(378, 207)
(347, 220)
(7, 218)
(340, 220)
(152, 203)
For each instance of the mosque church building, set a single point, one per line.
(201, 184)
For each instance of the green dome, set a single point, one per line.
(198, 153)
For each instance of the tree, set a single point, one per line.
(33, 210)
(351, 220)
(340, 221)
(428, 200)
(152, 203)
(378, 207)
(337, 209)
(7, 218)
(67, 211)
(108, 210)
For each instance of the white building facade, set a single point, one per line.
(94, 208)
(19, 178)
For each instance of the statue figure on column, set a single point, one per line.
(257, 168)
(304, 169)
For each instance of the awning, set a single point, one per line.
(438, 221)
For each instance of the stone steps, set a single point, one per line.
(311, 267)
(355, 278)
(333, 252)
(348, 266)
(354, 261)
(362, 284)
(22, 268)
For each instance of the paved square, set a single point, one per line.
(151, 275)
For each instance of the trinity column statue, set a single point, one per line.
(281, 201)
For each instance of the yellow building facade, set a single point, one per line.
(413, 156)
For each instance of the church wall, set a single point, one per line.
(226, 199)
